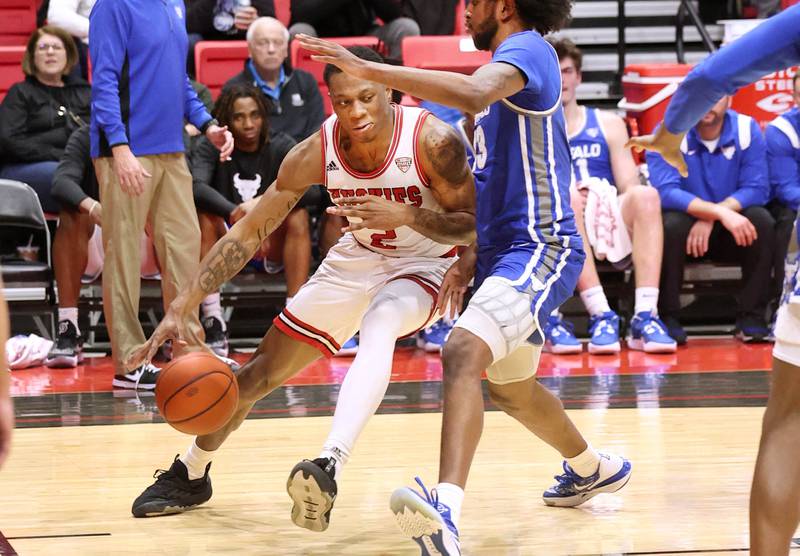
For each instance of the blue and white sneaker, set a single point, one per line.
(604, 332)
(426, 520)
(573, 490)
(432, 339)
(559, 336)
(350, 347)
(647, 333)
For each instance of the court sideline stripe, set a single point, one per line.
(70, 536)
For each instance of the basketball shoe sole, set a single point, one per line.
(313, 493)
(422, 522)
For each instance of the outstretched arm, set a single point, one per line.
(300, 169)
(468, 93)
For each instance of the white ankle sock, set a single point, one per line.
(646, 300)
(339, 454)
(451, 496)
(196, 459)
(586, 463)
(594, 299)
(70, 314)
(213, 308)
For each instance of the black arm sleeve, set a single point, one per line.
(71, 174)
(204, 161)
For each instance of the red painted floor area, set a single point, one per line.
(410, 365)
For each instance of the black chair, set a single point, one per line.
(28, 285)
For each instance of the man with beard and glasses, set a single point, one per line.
(526, 260)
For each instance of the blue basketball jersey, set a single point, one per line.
(590, 155)
(522, 159)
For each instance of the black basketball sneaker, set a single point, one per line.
(172, 492)
(312, 486)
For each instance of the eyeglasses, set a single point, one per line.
(44, 47)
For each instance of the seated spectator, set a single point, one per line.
(73, 17)
(718, 213)
(293, 94)
(225, 191)
(214, 20)
(783, 158)
(77, 246)
(597, 140)
(38, 114)
(354, 18)
(295, 102)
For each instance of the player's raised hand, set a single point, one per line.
(329, 52)
(171, 327)
(667, 144)
(375, 213)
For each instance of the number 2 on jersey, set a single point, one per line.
(377, 240)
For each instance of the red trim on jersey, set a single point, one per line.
(426, 181)
(324, 144)
(452, 253)
(398, 127)
(292, 333)
(297, 322)
(430, 287)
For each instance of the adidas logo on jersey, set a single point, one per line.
(332, 166)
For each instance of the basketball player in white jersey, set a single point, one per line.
(402, 179)
(597, 143)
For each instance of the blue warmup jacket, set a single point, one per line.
(736, 168)
(783, 156)
(772, 46)
(140, 91)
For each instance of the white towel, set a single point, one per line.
(26, 351)
(605, 228)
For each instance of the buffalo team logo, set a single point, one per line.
(404, 163)
(247, 188)
(593, 132)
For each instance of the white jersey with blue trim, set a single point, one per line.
(522, 161)
(591, 157)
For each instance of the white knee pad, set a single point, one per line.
(787, 334)
(500, 315)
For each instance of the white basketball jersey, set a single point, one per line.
(400, 179)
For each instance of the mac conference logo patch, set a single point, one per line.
(404, 163)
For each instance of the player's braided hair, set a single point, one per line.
(545, 16)
(223, 108)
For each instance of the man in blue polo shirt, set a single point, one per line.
(717, 212)
(783, 158)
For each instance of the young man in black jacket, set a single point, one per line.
(352, 18)
(226, 191)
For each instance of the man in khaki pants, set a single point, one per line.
(140, 97)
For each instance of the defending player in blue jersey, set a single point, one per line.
(775, 497)
(526, 261)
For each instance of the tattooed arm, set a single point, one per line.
(444, 161)
(301, 168)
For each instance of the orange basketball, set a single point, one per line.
(197, 393)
